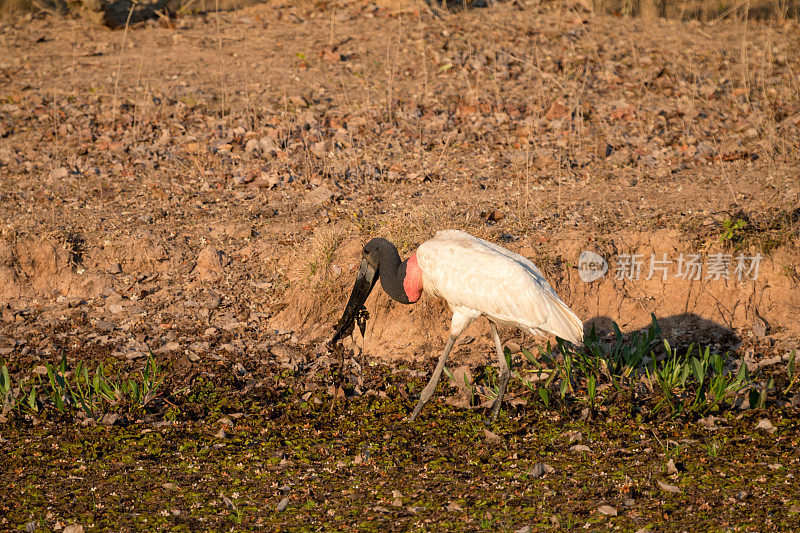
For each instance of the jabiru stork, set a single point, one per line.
(476, 278)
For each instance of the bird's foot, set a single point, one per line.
(494, 412)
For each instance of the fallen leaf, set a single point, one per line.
(453, 506)
(766, 425)
(228, 503)
(492, 438)
(672, 470)
(667, 487)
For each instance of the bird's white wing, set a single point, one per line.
(506, 287)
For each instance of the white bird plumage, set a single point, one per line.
(477, 277)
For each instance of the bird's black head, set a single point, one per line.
(377, 254)
(365, 280)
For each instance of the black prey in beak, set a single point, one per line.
(355, 310)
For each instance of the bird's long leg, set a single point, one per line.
(427, 392)
(504, 374)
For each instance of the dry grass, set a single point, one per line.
(15, 8)
(707, 10)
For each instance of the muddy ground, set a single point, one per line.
(200, 188)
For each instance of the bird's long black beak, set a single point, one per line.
(365, 281)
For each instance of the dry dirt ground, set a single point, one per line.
(200, 188)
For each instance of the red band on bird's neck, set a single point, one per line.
(412, 283)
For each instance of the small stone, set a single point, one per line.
(580, 448)
(135, 354)
(115, 268)
(604, 149)
(209, 264)
(102, 325)
(607, 510)
(329, 53)
(252, 146)
(75, 302)
(704, 150)
(268, 145)
(30, 527)
(282, 505)
(269, 180)
(540, 469)
(760, 327)
(513, 347)
(321, 148)
(212, 302)
(320, 195)
(556, 110)
(73, 528)
(169, 347)
(59, 174)
(243, 179)
(709, 422)
(453, 506)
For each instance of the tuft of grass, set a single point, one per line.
(94, 393)
(644, 369)
(321, 249)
